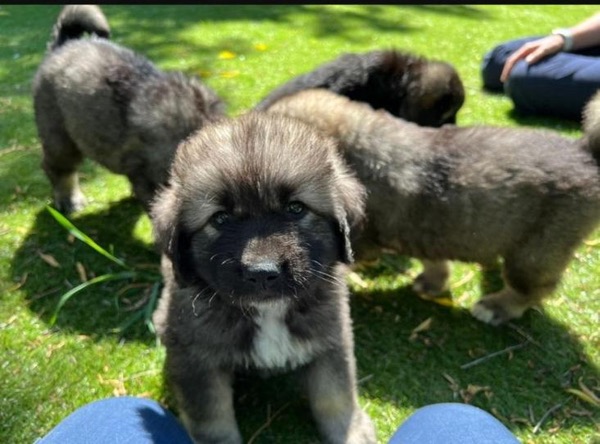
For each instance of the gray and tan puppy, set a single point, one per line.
(96, 99)
(427, 92)
(253, 229)
(472, 194)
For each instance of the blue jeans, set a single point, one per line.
(452, 423)
(130, 420)
(121, 420)
(559, 85)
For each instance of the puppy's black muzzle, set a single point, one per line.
(263, 275)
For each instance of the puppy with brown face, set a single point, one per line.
(253, 229)
(96, 99)
(472, 194)
(427, 92)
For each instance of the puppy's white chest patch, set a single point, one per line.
(273, 345)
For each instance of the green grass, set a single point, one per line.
(49, 369)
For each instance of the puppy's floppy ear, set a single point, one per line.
(171, 238)
(179, 251)
(162, 214)
(346, 252)
(436, 93)
(350, 208)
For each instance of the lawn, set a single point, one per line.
(544, 382)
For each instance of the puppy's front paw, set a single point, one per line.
(433, 281)
(499, 308)
(207, 433)
(487, 314)
(71, 203)
(364, 431)
(360, 431)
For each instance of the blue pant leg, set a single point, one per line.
(452, 423)
(558, 86)
(121, 420)
(494, 60)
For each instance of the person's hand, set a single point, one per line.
(533, 52)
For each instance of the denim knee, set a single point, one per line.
(494, 60)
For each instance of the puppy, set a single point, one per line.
(428, 92)
(93, 98)
(476, 194)
(253, 229)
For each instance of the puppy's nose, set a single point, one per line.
(264, 274)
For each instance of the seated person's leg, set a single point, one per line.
(119, 420)
(558, 86)
(494, 60)
(452, 423)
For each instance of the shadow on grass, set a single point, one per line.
(554, 123)
(159, 30)
(167, 21)
(23, 182)
(99, 309)
(467, 11)
(338, 20)
(536, 120)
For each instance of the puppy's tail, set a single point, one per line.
(591, 126)
(76, 20)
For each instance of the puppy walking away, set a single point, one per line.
(96, 99)
(527, 196)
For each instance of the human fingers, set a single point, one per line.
(519, 54)
(550, 46)
(532, 52)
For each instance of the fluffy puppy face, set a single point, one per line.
(258, 208)
(434, 95)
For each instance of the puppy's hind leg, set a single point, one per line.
(531, 272)
(502, 306)
(61, 157)
(60, 162)
(330, 380)
(433, 281)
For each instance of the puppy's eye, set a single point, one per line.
(296, 208)
(219, 219)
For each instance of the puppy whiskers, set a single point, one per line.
(224, 262)
(194, 301)
(211, 298)
(321, 273)
(244, 310)
(326, 277)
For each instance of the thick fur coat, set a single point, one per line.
(427, 92)
(254, 233)
(96, 99)
(480, 193)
